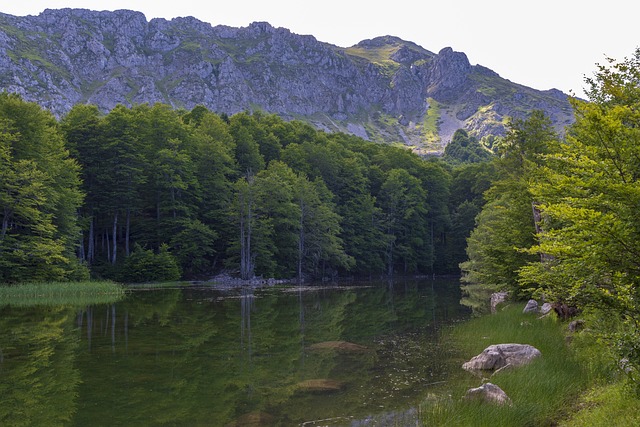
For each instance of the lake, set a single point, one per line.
(357, 355)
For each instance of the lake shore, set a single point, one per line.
(568, 386)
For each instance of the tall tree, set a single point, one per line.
(402, 200)
(39, 195)
(506, 226)
(589, 195)
(82, 131)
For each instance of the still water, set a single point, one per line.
(198, 356)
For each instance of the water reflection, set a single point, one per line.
(198, 356)
(39, 377)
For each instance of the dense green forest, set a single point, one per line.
(153, 193)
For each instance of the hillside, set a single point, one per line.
(385, 89)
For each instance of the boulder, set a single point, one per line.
(488, 393)
(531, 307)
(546, 308)
(576, 325)
(498, 356)
(497, 298)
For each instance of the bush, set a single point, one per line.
(145, 266)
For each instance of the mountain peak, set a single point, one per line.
(385, 89)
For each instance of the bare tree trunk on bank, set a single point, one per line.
(91, 247)
(537, 220)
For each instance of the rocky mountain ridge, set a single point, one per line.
(385, 89)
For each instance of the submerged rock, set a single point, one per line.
(342, 346)
(488, 393)
(322, 385)
(253, 419)
(498, 356)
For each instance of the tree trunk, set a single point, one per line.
(537, 220)
(91, 244)
(5, 224)
(127, 232)
(81, 253)
(115, 238)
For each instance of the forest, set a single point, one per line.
(152, 193)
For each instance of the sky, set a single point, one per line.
(542, 44)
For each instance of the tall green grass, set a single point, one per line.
(60, 293)
(540, 391)
(610, 405)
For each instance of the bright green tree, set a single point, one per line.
(39, 196)
(589, 195)
(505, 227)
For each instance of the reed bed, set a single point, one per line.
(61, 293)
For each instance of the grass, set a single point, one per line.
(60, 293)
(609, 405)
(540, 391)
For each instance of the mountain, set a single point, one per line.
(385, 89)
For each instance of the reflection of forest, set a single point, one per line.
(198, 357)
(38, 375)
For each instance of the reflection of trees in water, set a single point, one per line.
(477, 297)
(39, 380)
(188, 356)
(246, 304)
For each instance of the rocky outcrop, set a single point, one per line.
(383, 87)
(499, 356)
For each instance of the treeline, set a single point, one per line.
(153, 193)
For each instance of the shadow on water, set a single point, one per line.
(363, 354)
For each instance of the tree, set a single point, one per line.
(82, 131)
(505, 228)
(402, 200)
(465, 149)
(39, 196)
(319, 246)
(588, 195)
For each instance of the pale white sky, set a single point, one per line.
(542, 43)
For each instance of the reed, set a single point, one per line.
(61, 293)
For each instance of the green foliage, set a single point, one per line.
(609, 405)
(39, 195)
(249, 192)
(194, 247)
(588, 195)
(145, 266)
(505, 228)
(465, 149)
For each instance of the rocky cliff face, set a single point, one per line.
(384, 89)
